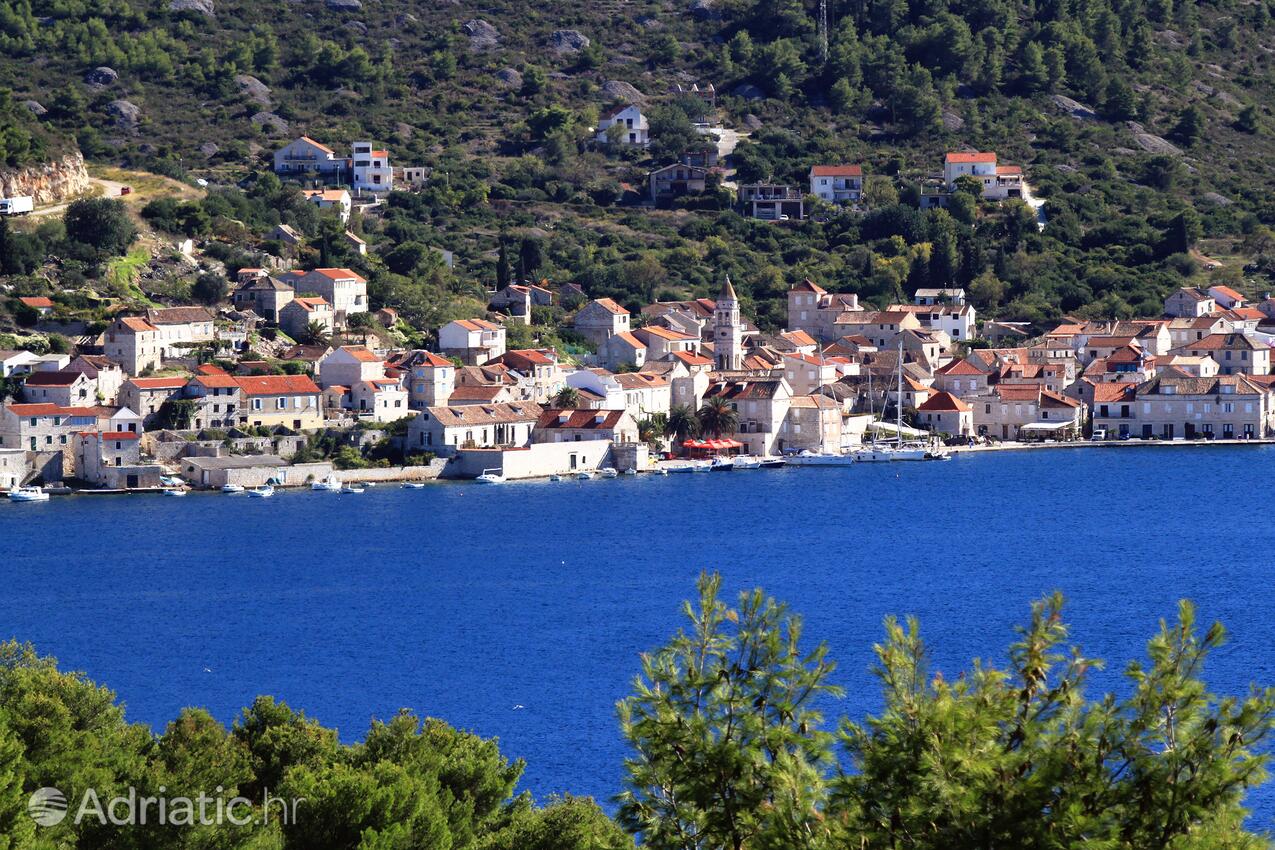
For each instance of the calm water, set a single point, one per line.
(464, 602)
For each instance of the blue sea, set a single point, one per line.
(518, 611)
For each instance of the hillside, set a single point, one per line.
(1143, 123)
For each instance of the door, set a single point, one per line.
(1190, 430)
(571, 460)
(130, 481)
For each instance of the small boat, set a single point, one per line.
(28, 494)
(174, 491)
(555, 477)
(584, 475)
(702, 466)
(630, 471)
(261, 492)
(608, 472)
(722, 464)
(231, 488)
(747, 462)
(350, 489)
(413, 485)
(772, 462)
(809, 458)
(663, 470)
(491, 476)
(331, 484)
(171, 481)
(681, 467)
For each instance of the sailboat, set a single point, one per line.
(806, 457)
(897, 452)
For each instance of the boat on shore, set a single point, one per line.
(491, 476)
(28, 494)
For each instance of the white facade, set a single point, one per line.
(370, 168)
(634, 129)
(306, 156)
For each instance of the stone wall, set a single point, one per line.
(49, 183)
(392, 473)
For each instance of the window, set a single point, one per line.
(256, 404)
(282, 403)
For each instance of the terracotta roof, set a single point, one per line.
(640, 380)
(136, 324)
(277, 385)
(586, 420)
(121, 435)
(836, 171)
(961, 367)
(210, 369)
(944, 402)
(628, 337)
(963, 157)
(1231, 341)
(222, 381)
(360, 353)
(798, 338)
(173, 382)
(477, 325)
(36, 409)
(429, 358)
(1225, 290)
(528, 355)
(691, 359)
(39, 302)
(611, 306)
(339, 274)
(1009, 169)
(477, 392)
(1109, 391)
(334, 196)
(665, 333)
(318, 145)
(808, 285)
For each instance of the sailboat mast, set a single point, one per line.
(898, 405)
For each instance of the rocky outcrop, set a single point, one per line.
(482, 35)
(271, 123)
(37, 109)
(125, 114)
(203, 7)
(101, 76)
(50, 182)
(568, 41)
(510, 77)
(253, 89)
(620, 90)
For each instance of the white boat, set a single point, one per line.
(681, 467)
(171, 481)
(231, 488)
(331, 484)
(701, 466)
(555, 477)
(261, 492)
(174, 491)
(747, 462)
(662, 470)
(608, 472)
(874, 454)
(630, 471)
(722, 464)
(773, 462)
(351, 489)
(584, 475)
(413, 485)
(809, 458)
(28, 494)
(491, 476)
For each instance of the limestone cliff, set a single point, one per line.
(49, 182)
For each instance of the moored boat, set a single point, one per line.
(331, 484)
(584, 475)
(773, 462)
(231, 488)
(28, 494)
(352, 489)
(722, 464)
(608, 472)
(809, 458)
(491, 476)
(747, 462)
(413, 485)
(174, 491)
(263, 492)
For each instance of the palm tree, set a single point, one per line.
(682, 423)
(717, 417)
(568, 398)
(315, 333)
(652, 429)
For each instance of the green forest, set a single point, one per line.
(731, 747)
(1143, 124)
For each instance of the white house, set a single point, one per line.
(345, 290)
(326, 199)
(350, 365)
(837, 184)
(474, 341)
(180, 327)
(632, 126)
(999, 181)
(306, 156)
(370, 170)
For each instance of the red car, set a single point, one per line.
(126, 190)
